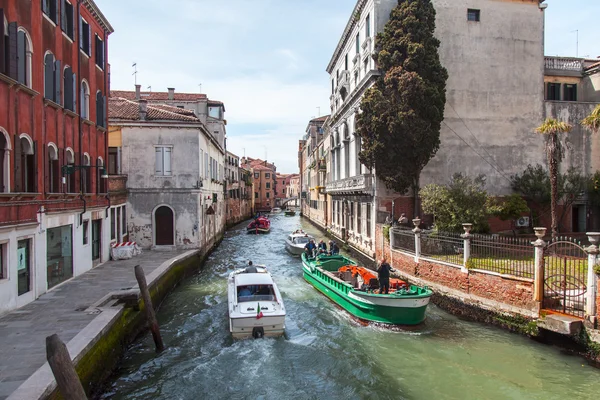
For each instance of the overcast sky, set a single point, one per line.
(266, 59)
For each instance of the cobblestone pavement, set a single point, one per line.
(23, 332)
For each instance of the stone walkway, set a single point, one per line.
(62, 310)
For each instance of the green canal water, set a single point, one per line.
(325, 354)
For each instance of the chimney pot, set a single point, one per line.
(143, 109)
(171, 93)
(138, 89)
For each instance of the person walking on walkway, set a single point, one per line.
(383, 273)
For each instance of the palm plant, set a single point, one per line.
(551, 128)
(592, 121)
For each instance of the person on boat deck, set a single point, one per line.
(333, 248)
(245, 292)
(383, 273)
(310, 247)
(322, 247)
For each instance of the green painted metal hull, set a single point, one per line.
(401, 309)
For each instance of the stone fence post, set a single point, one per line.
(417, 232)
(592, 279)
(466, 246)
(538, 285)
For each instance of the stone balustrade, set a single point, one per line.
(356, 184)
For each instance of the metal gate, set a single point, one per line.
(565, 275)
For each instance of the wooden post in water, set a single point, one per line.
(62, 367)
(153, 324)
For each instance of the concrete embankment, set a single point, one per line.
(118, 319)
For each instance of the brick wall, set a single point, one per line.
(512, 292)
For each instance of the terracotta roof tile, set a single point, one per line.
(119, 108)
(158, 96)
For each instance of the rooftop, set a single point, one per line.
(158, 96)
(124, 109)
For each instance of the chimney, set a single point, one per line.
(137, 91)
(171, 93)
(143, 109)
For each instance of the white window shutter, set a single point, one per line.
(167, 160)
(158, 169)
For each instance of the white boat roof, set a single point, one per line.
(253, 279)
(300, 234)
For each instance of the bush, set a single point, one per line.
(386, 232)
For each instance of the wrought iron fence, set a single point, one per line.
(505, 255)
(402, 239)
(443, 246)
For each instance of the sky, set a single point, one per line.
(266, 59)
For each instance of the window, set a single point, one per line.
(351, 216)
(86, 224)
(163, 160)
(59, 254)
(256, 175)
(23, 266)
(84, 98)
(553, 91)
(49, 7)
(268, 185)
(358, 43)
(473, 15)
(71, 188)
(268, 175)
(123, 221)
(570, 92)
(70, 92)
(87, 174)
(214, 112)
(358, 218)
(100, 52)
(368, 220)
(85, 36)
(52, 78)
(53, 169)
(256, 195)
(113, 216)
(368, 26)
(206, 165)
(268, 195)
(4, 43)
(346, 62)
(4, 161)
(3, 262)
(100, 109)
(24, 55)
(100, 186)
(66, 18)
(114, 161)
(25, 175)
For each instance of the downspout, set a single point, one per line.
(78, 162)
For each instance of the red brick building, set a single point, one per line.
(53, 143)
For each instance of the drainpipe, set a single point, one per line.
(82, 198)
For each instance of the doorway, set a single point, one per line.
(23, 266)
(96, 230)
(163, 226)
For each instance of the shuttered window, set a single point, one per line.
(553, 91)
(85, 37)
(3, 44)
(99, 51)
(66, 18)
(49, 7)
(22, 67)
(570, 92)
(49, 86)
(162, 160)
(68, 84)
(100, 109)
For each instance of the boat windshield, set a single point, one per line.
(301, 240)
(255, 293)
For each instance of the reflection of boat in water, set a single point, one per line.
(290, 213)
(260, 224)
(255, 304)
(295, 242)
(353, 288)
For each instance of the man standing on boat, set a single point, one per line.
(383, 273)
(310, 248)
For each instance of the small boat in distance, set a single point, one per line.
(290, 213)
(295, 241)
(255, 304)
(276, 210)
(260, 224)
(354, 288)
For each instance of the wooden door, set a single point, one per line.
(163, 229)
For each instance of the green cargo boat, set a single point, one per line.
(338, 278)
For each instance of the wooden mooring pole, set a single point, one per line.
(62, 367)
(150, 315)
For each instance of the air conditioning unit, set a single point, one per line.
(522, 222)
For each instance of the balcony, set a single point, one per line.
(354, 185)
(117, 184)
(563, 66)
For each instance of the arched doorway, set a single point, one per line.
(163, 226)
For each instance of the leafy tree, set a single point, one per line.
(463, 200)
(592, 121)
(401, 114)
(551, 129)
(510, 207)
(594, 189)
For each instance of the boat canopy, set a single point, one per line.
(253, 279)
(301, 239)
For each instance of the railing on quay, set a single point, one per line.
(403, 239)
(504, 255)
(443, 246)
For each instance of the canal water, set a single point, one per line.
(325, 354)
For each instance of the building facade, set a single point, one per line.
(175, 173)
(293, 191)
(238, 189)
(53, 145)
(264, 182)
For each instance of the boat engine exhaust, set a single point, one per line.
(258, 332)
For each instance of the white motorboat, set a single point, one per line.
(276, 210)
(255, 304)
(295, 242)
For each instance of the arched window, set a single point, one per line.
(53, 169)
(4, 161)
(70, 89)
(100, 186)
(25, 173)
(24, 57)
(52, 78)
(87, 175)
(84, 99)
(71, 183)
(100, 109)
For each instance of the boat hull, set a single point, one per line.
(295, 250)
(388, 309)
(244, 327)
(258, 230)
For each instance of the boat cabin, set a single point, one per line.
(299, 240)
(254, 286)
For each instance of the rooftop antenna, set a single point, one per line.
(577, 42)
(135, 71)
(149, 89)
(265, 153)
(319, 111)
(200, 87)
(244, 151)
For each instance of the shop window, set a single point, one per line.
(24, 266)
(59, 257)
(86, 227)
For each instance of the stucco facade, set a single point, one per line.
(238, 190)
